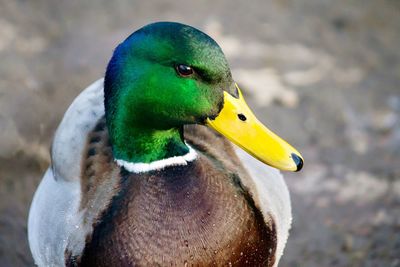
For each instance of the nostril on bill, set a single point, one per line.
(242, 117)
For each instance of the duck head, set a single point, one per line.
(166, 75)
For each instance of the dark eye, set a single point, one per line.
(184, 70)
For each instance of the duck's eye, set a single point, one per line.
(184, 70)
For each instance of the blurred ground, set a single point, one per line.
(323, 74)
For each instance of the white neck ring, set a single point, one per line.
(140, 167)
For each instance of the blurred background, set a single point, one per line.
(323, 74)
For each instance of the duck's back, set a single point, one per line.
(55, 218)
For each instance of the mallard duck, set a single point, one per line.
(141, 172)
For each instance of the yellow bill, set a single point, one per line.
(237, 122)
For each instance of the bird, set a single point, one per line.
(162, 163)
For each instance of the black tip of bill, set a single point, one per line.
(299, 162)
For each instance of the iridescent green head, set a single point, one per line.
(163, 76)
(166, 75)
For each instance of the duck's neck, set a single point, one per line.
(141, 145)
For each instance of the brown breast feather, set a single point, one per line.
(195, 215)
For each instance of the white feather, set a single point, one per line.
(273, 197)
(54, 221)
(70, 138)
(140, 167)
(52, 218)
